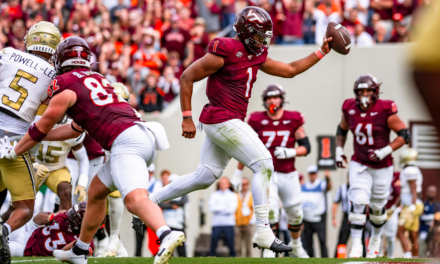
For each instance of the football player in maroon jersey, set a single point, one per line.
(89, 99)
(231, 66)
(279, 130)
(47, 232)
(371, 120)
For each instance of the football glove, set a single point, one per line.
(7, 149)
(41, 172)
(284, 153)
(380, 154)
(340, 157)
(236, 180)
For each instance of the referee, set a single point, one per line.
(341, 197)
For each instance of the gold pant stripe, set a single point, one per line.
(27, 160)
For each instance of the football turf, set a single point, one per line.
(221, 260)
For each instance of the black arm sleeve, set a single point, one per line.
(341, 132)
(305, 143)
(405, 134)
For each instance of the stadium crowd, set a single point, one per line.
(148, 44)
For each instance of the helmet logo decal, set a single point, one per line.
(252, 16)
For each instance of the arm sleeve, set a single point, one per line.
(83, 161)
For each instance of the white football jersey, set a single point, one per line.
(23, 83)
(409, 173)
(53, 154)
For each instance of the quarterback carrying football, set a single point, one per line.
(231, 66)
(371, 120)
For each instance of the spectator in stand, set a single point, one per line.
(400, 31)
(169, 84)
(431, 207)
(176, 64)
(228, 15)
(209, 11)
(136, 76)
(309, 24)
(200, 38)
(174, 213)
(223, 205)
(176, 38)
(322, 19)
(361, 6)
(147, 55)
(350, 22)
(384, 9)
(314, 194)
(151, 97)
(380, 35)
(405, 8)
(292, 27)
(244, 230)
(186, 21)
(362, 38)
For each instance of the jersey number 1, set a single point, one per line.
(23, 92)
(248, 84)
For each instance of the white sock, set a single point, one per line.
(356, 241)
(7, 227)
(116, 210)
(407, 255)
(356, 233)
(262, 218)
(377, 232)
(296, 241)
(82, 245)
(162, 229)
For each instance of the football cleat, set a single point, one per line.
(122, 252)
(5, 253)
(102, 246)
(267, 253)
(70, 257)
(373, 247)
(112, 248)
(267, 240)
(298, 250)
(168, 241)
(356, 249)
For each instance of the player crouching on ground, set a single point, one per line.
(279, 130)
(371, 167)
(47, 232)
(52, 170)
(411, 180)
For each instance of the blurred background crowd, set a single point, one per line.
(147, 44)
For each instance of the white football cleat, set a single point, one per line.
(112, 248)
(267, 253)
(356, 249)
(373, 247)
(298, 250)
(267, 240)
(167, 246)
(69, 257)
(102, 246)
(122, 252)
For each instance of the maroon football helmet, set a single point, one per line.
(366, 82)
(272, 91)
(76, 216)
(254, 28)
(72, 51)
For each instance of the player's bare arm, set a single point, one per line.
(58, 105)
(341, 138)
(64, 132)
(68, 246)
(42, 219)
(304, 146)
(199, 70)
(413, 188)
(397, 125)
(328, 179)
(290, 70)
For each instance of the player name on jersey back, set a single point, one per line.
(33, 63)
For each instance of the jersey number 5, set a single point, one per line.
(23, 92)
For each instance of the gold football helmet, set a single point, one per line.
(43, 36)
(408, 156)
(121, 90)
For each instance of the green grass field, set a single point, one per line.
(218, 260)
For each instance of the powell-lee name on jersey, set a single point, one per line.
(34, 65)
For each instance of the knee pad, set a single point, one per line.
(264, 167)
(357, 216)
(378, 217)
(294, 216)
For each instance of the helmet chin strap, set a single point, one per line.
(365, 101)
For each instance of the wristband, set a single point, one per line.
(187, 113)
(187, 117)
(50, 218)
(319, 53)
(36, 134)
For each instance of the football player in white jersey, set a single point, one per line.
(52, 169)
(411, 180)
(25, 77)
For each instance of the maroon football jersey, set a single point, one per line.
(370, 130)
(97, 108)
(394, 190)
(94, 150)
(278, 133)
(45, 240)
(229, 89)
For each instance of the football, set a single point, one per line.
(341, 42)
